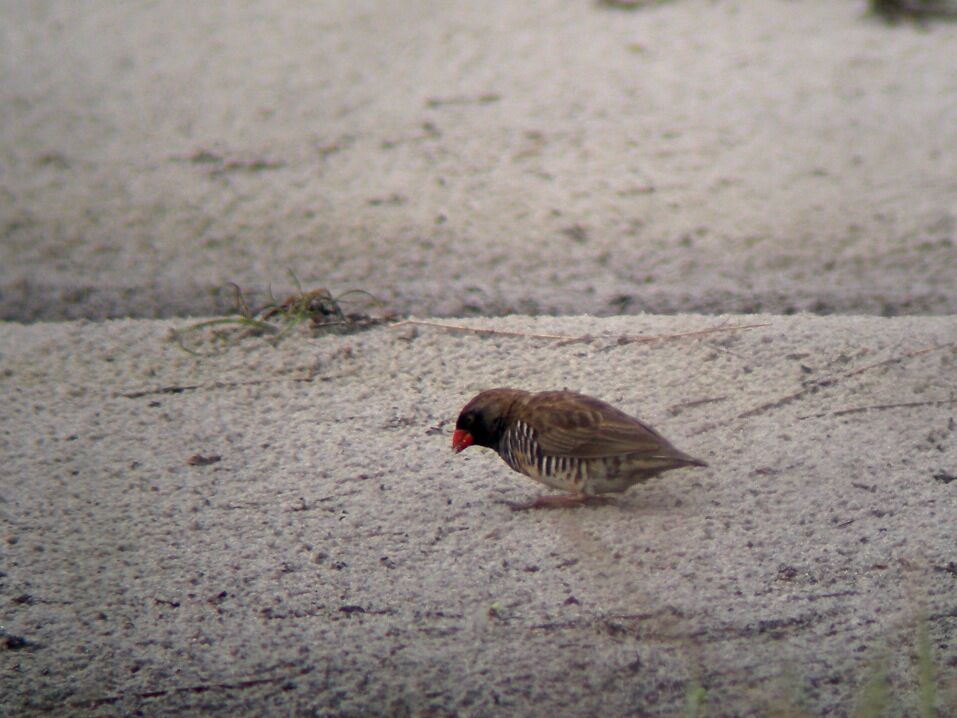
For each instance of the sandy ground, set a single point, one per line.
(461, 157)
(284, 531)
(331, 556)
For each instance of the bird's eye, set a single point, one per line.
(468, 420)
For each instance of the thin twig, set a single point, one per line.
(177, 389)
(180, 389)
(776, 403)
(681, 335)
(719, 348)
(199, 688)
(896, 360)
(622, 340)
(880, 407)
(676, 409)
(821, 383)
(476, 330)
(814, 386)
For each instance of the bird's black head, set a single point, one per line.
(484, 419)
(474, 427)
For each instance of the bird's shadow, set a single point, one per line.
(631, 502)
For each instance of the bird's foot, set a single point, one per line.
(558, 501)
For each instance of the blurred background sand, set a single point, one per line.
(461, 157)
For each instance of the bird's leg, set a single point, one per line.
(558, 501)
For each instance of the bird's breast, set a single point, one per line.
(521, 450)
(519, 447)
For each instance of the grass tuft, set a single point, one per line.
(875, 695)
(317, 309)
(695, 698)
(926, 675)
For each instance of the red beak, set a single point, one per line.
(461, 439)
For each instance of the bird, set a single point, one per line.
(568, 441)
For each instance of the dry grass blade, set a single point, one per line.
(683, 335)
(477, 330)
(622, 340)
(898, 360)
(880, 407)
(255, 325)
(304, 374)
(819, 384)
(236, 685)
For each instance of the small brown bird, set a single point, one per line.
(568, 441)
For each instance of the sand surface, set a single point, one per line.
(283, 530)
(331, 556)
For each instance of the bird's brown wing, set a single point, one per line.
(568, 424)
